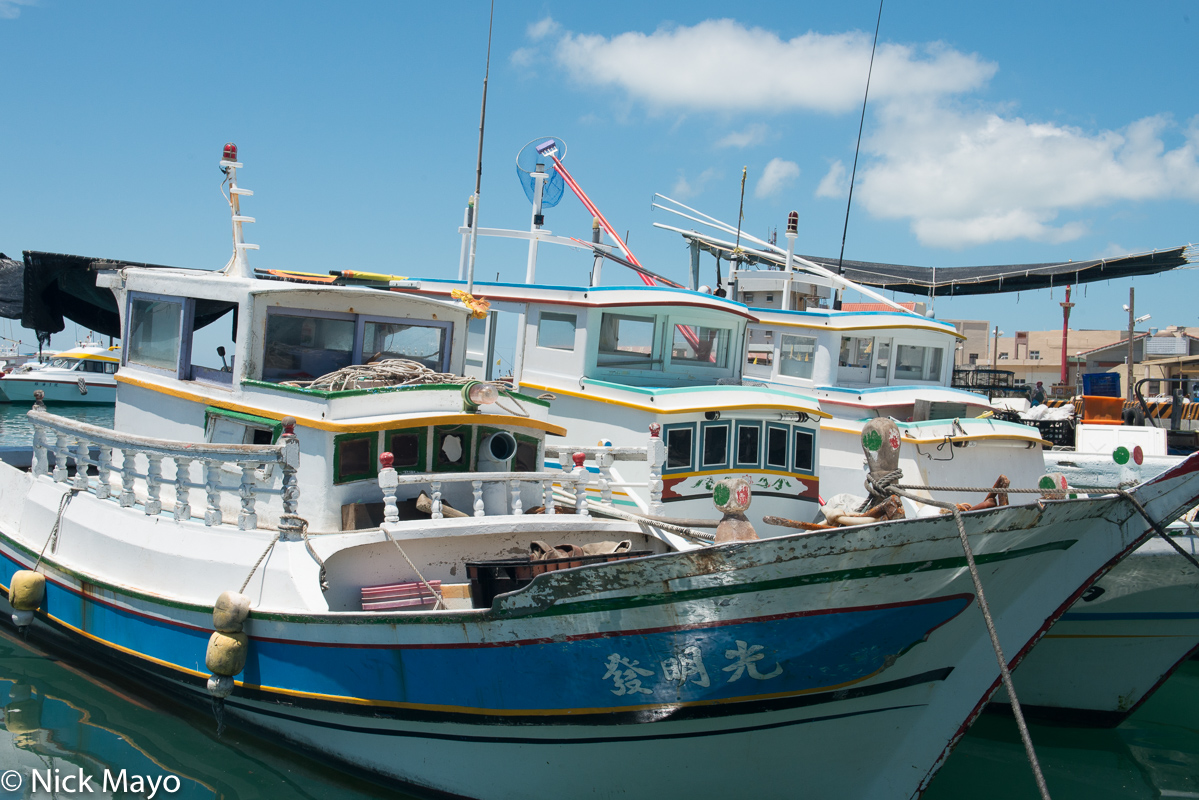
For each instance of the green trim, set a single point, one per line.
(609, 604)
(456, 387)
(832, 576)
(422, 446)
(372, 472)
(273, 425)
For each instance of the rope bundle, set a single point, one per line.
(388, 372)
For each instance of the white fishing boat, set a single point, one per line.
(84, 374)
(378, 644)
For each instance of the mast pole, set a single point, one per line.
(474, 229)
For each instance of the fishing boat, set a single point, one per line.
(358, 617)
(84, 374)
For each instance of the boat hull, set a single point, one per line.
(736, 660)
(58, 392)
(1118, 643)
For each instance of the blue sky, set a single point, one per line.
(995, 133)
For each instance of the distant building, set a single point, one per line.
(1037, 355)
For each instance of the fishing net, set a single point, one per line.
(526, 163)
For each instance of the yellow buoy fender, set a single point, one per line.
(227, 653)
(230, 612)
(26, 590)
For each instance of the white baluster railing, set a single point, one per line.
(74, 442)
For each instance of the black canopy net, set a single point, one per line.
(46, 289)
(945, 281)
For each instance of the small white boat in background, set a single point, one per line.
(85, 374)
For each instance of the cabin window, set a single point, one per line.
(110, 367)
(451, 448)
(556, 331)
(749, 436)
(882, 363)
(680, 442)
(747, 297)
(526, 454)
(232, 427)
(155, 328)
(917, 363)
(424, 344)
(301, 348)
(407, 447)
(776, 447)
(699, 345)
(856, 352)
(797, 356)
(354, 457)
(801, 454)
(716, 445)
(630, 338)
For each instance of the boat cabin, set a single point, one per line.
(174, 385)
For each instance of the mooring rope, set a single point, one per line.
(258, 563)
(983, 606)
(440, 600)
(52, 541)
(294, 523)
(1157, 528)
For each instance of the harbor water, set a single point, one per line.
(63, 713)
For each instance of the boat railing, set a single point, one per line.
(118, 454)
(571, 484)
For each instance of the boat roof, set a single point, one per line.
(851, 320)
(94, 352)
(587, 296)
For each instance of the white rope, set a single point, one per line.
(388, 372)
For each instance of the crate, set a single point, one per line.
(1101, 384)
(1058, 431)
(1007, 415)
(398, 595)
(1102, 410)
(491, 578)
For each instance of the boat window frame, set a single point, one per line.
(468, 448)
(626, 358)
(422, 447)
(672, 327)
(355, 347)
(558, 316)
(372, 471)
(666, 431)
(447, 327)
(737, 428)
(815, 344)
(702, 445)
(796, 432)
(186, 320)
(786, 429)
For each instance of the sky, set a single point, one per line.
(994, 133)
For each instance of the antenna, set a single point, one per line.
(853, 175)
(474, 230)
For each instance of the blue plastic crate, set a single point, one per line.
(1101, 384)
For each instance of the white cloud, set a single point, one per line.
(754, 134)
(684, 189)
(724, 66)
(11, 9)
(970, 178)
(524, 56)
(542, 28)
(777, 176)
(833, 184)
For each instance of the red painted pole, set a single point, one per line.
(1066, 306)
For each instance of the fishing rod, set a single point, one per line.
(474, 228)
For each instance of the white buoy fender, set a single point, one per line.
(227, 653)
(26, 590)
(220, 686)
(230, 612)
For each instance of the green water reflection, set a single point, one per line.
(1155, 753)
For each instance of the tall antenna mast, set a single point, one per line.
(853, 175)
(474, 229)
